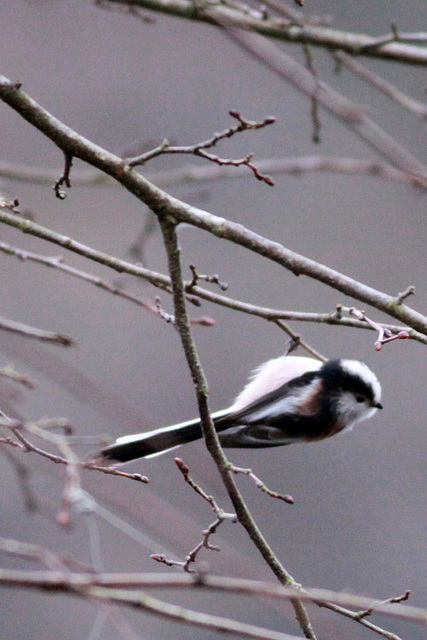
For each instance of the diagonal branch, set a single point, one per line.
(382, 85)
(194, 292)
(350, 114)
(38, 334)
(162, 204)
(404, 48)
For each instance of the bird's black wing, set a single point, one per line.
(277, 418)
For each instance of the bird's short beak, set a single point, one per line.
(378, 405)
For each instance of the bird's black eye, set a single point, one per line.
(360, 399)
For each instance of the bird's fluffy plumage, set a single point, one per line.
(287, 399)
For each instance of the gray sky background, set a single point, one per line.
(360, 518)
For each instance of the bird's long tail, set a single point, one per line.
(152, 443)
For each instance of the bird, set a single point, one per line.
(286, 400)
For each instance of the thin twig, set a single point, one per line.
(37, 334)
(205, 543)
(401, 297)
(298, 341)
(370, 610)
(200, 148)
(25, 445)
(384, 335)
(261, 485)
(10, 372)
(315, 117)
(65, 178)
(197, 276)
(57, 262)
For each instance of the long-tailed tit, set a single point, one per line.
(287, 399)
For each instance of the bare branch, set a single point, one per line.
(365, 623)
(384, 86)
(350, 114)
(293, 29)
(37, 334)
(57, 580)
(370, 610)
(315, 117)
(163, 282)
(384, 335)
(261, 485)
(163, 204)
(65, 178)
(205, 543)
(297, 340)
(193, 173)
(55, 562)
(17, 427)
(83, 582)
(209, 433)
(10, 372)
(200, 148)
(56, 262)
(197, 276)
(145, 602)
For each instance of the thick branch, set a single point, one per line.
(387, 47)
(163, 204)
(193, 291)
